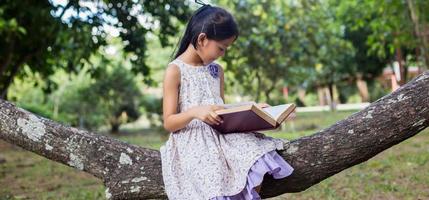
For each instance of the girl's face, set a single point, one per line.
(210, 50)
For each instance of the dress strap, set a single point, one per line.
(177, 62)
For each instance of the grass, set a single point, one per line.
(401, 172)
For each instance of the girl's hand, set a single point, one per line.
(206, 114)
(263, 105)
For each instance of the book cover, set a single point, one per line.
(249, 117)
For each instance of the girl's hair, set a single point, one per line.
(217, 23)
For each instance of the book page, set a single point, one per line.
(232, 105)
(276, 111)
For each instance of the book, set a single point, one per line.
(249, 117)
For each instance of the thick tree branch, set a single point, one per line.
(386, 122)
(128, 171)
(133, 172)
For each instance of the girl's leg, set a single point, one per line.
(258, 188)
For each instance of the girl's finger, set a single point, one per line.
(216, 117)
(213, 120)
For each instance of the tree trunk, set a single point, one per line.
(332, 96)
(421, 35)
(327, 95)
(268, 92)
(324, 95)
(7, 58)
(259, 86)
(9, 78)
(363, 89)
(114, 125)
(301, 94)
(321, 95)
(132, 172)
(8, 82)
(402, 68)
(114, 128)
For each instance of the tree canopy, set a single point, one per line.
(47, 36)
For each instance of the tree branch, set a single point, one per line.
(134, 172)
(386, 122)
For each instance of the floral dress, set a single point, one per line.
(199, 163)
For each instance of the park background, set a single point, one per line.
(98, 65)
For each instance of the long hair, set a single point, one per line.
(217, 23)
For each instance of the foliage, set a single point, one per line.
(318, 43)
(79, 100)
(48, 36)
(384, 31)
(387, 21)
(117, 95)
(285, 43)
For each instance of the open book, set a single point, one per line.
(246, 117)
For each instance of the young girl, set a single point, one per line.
(199, 163)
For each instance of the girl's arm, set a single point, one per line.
(174, 121)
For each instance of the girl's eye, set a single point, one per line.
(221, 49)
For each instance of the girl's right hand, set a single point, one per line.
(206, 114)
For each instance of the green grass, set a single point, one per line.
(28, 176)
(401, 172)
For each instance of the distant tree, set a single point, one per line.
(46, 36)
(111, 100)
(386, 30)
(286, 43)
(117, 95)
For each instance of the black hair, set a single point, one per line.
(217, 23)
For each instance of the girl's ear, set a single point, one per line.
(202, 39)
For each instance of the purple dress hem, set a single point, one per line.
(271, 163)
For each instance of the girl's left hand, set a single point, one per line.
(263, 105)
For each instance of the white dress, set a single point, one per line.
(197, 161)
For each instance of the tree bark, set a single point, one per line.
(363, 89)
(402, 68)
(132, 172)
(333, 102)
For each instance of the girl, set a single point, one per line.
(199, 163)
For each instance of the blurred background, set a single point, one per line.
(98, 65)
